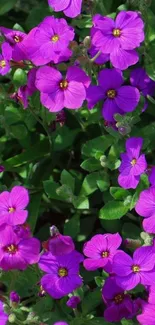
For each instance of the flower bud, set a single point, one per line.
(73, 302)
(14, 299)
(87, 42)
(12, 318)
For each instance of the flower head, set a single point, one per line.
(119, 38)
(117, 98)
(145, 207)
(60, 323)
(137, 270)
(119, 304)
(59, 244)
(73, 302)
(100, 251)
(133, 164)
(63, 273)
(60, 91)
(12, 205)
(71, 8)
(17, 253)
(23, 231)
(5, 57)
(49, 41)
(3, 315)
(14, 38)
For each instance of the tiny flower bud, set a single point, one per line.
(14, 299)
(87, 42)
(73, 302)
(12, 318)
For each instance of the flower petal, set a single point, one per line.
(128, 282)
(93, 95)
(122, 263)
(127, 98)
(74, 95)
(128, 181)
(19, 197)
(48, 79)
(110, 79)
(122, 59)
(110, 108)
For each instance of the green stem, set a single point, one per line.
(95, 57)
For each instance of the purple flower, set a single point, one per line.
(145, 207)
(58, 91)
(103, 58)
(141, 80)
(117, 98)
(119, 38)
(5, 57)
(2, 168)
(133, 164)
(119, 304)
(22, 231)
(14, 297)
(147, 316)
(59, 323)
(3, 316)
(63, 273)
(12, 206)
(17, 253)
(151, 298)
(49, 41)
(100, 251)
(71, 8)
(14, 38)
(73, 302)
(59, 244)
(137, 270)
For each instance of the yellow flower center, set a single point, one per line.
(62, 272)
(119, 298)
(105, 254)
(116, 32)
(135, 268)
(55, 38)
(17, 39)
(11, 210)
(2, 63)
(133, 162)
(64, 84)
(11, 249)
(111, 93)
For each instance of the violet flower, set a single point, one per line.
(14, 297)
(119, 304)
(145, 207)
(5, 58)
(12, 206)
(58, 91)
(61, 323)
(62, 273)
(73, 302)
(14, 38)
(119, 38)
(100, 251)
(3, 315)
(117, 98)
(59, 244)
(71, 8)
(17, 253)
(133, 164)
(49, 41)
(140, 269)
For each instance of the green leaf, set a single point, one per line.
(94, 181)
(119, 193)
(72, 226)
(65, 193)
(85, 22)
(6, 5)
(80, 202)
(100, 144)
(19, 130)
(91, 301)
(39, 150)
(113, 210)
(34, 207)
(65, 138)
(91, 165)
(67, 179)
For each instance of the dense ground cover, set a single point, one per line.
(77, 167)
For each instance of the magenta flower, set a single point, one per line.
(49, 41)
(60, 323)
(145, 207)
(59, 244)
(71, 8)
(3, 315)
(141, 80)
(119, 304)
(12, 206)
(63, 273)
(151, 298)
(119, 38)
(117, 98)
(100, 251)
(60, 91)
(17, 253)
(133, 164)
(147, 315)
(137, 270)
(22, 231)
(14, 38)
(73, 302)
(5, 58)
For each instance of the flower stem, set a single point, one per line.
(95, 57)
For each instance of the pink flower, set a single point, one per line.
(12, 205)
